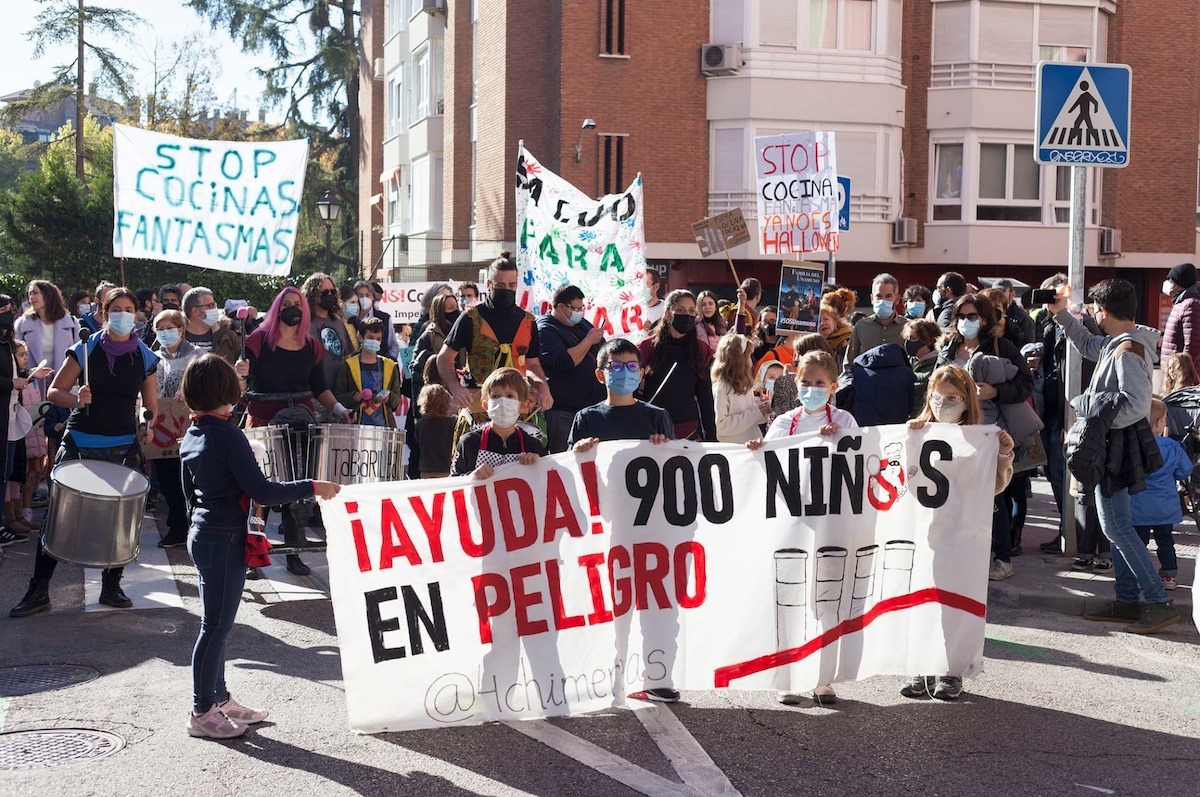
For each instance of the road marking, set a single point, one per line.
(625, 772)
(687, 756)
(149, 582)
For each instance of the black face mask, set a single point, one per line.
(291, 315)
(329, 301)
(6, 321)
(170, 306)
(683, 323)
(504, 299)
(911, 347)
(768, 330)
(451, 317)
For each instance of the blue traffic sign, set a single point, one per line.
(843, 203)
(1083, 114)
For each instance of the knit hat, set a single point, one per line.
(1183, 275)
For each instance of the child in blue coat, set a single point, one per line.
(1156, 509)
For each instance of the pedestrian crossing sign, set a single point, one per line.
(1083, 114)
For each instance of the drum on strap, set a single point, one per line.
(346, 454)
(95, 513)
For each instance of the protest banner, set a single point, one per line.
(558, 588)
(800, 287)
(226, 205)
(797, 192)
(598, 245)
(403, 301)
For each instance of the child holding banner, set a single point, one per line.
(500, 441)
(953, 398)
(816, 382)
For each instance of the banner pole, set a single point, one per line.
(123, 273)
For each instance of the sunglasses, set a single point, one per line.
(968, 316)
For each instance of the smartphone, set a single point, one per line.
(1042, 296)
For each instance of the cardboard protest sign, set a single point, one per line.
(172, 421)
(797, 190)
(231, 206)
(721, 232)
(800, 287)
(598, 245)
(558, 588)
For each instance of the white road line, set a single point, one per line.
(149, 582)
(635, 777)
(687, 756)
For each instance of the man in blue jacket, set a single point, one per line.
(569, 345)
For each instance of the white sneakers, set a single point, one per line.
(1000, 570)
(226, 720)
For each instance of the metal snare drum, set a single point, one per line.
(280, 464)
(95, 513)
(346, 454)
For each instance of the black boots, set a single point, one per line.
(37, 599)
(110, 589)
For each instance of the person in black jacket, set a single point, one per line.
(883, 382)
(972, 334)
(569, 346)
(676, 376)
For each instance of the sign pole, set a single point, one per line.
(729, 258)
(831, 276)
(1074, 359)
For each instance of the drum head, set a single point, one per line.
(99, 478)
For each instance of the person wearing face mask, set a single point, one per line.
(207, 328)
(103, 424)
(499, 440)
(368, 307)
(917, 301)
(1181, 335)
(328, 329)
(772, 346)
(676, 363)
(496, 333)
(79, 305)
(174, 355)
(920, 344)
(350, 316)
(569, 346)
(370, 382)
(953, 398)
(884, 325)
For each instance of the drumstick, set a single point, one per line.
(84, 334)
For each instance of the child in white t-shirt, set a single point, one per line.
(816, 382)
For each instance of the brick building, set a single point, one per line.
(932, 102)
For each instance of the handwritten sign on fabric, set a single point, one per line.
(599, 245)
(797, 192)
(231, 206)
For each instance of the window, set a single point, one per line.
(395, 103)
(397, 19)
(612, 27)
(728, 21)
(393, 203)
(420, 87)
(947, 194)
(840, 24)
(1062, 195)
(1009, 183)
(1064, 33)
(612, 163)
(419, 188)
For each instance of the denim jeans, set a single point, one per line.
(1132, 564)
(221, 564)
(1168, 562)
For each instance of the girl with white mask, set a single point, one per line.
(499, 441)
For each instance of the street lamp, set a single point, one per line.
(329, 207)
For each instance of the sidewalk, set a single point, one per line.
(1045, 582)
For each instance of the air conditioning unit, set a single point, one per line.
(904, 232)
(720, 59)
(434, 6)
(1110, 242)
(380, 70)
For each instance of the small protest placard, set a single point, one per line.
(721, 232)
(169, 425)
(800, 285)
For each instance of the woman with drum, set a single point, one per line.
(115, 368)
(286, 366)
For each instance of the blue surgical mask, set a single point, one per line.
(576, 316)
(351, 309)
(916, 309)
(212, 317)
(768, 385)
(814, 398)
(968, 329)
(623, 382)
(883, 308)
(167, 337)
(121, 323)
(372, 345)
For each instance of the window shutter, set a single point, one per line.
(895, 27)
(858, 159)
(728, 21)
(728, 154)
(1064, 26)
(1006, 33)
(951, 32)
(777, 22)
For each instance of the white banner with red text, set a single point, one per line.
(561, 587)
(598, 245)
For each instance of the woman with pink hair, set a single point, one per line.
(284, 366)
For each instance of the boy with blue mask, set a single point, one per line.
(369, 382)
(884, 325)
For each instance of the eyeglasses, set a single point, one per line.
(968, 316)
(632, 366)
(946, 401)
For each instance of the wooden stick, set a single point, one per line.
(123, 283)
(736, 280)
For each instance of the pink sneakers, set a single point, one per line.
(239, 713)
(213, 724)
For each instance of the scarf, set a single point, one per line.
(114, 349)
(839, 336)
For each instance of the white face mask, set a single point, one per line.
(504, 411)
(213, 317)
(366, 303)
(946, 413)
(1168, 288)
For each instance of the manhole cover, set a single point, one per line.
(34, 678)
(21, 751)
